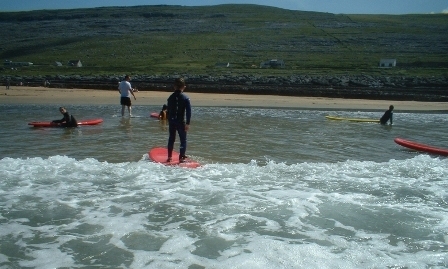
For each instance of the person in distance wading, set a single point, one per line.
(388, 116)
(125, 89)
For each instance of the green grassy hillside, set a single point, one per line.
(173, 39)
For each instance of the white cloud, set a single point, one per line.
(445, 11)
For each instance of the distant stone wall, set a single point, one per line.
(363, 87)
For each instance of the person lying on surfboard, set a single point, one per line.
(67, 120)
(179, 114)
(388, 116)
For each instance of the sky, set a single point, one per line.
(331, 6)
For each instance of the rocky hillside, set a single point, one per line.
(334, 55)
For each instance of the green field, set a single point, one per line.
(159, 40)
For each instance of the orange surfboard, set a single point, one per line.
(160, 155)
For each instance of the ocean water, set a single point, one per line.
(278, 188)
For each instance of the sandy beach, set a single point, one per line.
(67, 97)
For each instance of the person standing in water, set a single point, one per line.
(163, 113)
(388, 116)
(179, 115)
(125, 89)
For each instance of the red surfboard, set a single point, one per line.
(160, 155)
(421, 147)
(52, 124)
(154, 115)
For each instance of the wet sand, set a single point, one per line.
(67, 97)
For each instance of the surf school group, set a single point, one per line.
(177, 111)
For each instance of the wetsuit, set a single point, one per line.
(179, 114)
(388, 115)
(67, 121)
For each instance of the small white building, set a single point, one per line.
(385, 63)
(75, 63)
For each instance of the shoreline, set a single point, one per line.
(67, 97)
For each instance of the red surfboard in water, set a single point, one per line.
(160, 155)
(421, 147)
(52, 124)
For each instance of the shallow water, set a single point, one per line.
(278, 188)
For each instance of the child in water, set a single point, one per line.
(163, 113)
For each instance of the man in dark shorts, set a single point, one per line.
(125, 89)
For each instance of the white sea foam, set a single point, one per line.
(59, 211)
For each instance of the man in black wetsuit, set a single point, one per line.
(179, 114)
(388, 115)
(67, 120)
